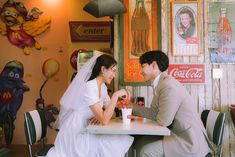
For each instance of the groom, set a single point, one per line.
(173, 107)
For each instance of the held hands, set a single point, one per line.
(123, 94)
(94, 121)
(124, 99)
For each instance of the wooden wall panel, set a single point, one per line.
(217, 94)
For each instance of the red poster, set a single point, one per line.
(139, 35)
(188, 73)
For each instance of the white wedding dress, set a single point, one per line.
(73, 140)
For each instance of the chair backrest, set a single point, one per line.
(214, 124)
(35, 126)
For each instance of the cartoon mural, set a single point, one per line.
(49, 69)
(12, 89)
(21, 26)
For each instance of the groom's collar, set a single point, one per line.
(156, 81)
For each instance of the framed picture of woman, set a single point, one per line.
(185, 29)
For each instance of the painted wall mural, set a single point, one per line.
(12, 88)
(50, 68)
(21, 26)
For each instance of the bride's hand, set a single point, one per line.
(123, 94)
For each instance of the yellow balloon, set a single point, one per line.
(50, 68)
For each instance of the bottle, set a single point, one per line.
(140, 25)
(224, 33)
(140, 101)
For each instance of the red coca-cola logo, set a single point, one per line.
(73, 58)
(188, 73)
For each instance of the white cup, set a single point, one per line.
(125, 113)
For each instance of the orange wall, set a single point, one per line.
(76, 13)
(54, 40)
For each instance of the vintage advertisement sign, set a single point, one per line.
(188, 73)
(185, 28)
(83, 31)
(221, 26)
(138, 35)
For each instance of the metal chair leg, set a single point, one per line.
(30, 150)
(221, 145)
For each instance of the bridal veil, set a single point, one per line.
(73, 95)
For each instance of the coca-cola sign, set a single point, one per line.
(188, 73)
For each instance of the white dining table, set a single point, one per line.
(138, 126)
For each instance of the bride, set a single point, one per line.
(86, 101)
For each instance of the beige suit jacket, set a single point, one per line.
(173, 107)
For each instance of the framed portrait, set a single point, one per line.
(185, 28)
(140, 31)
(221, 23)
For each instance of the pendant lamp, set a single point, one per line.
(101, 8)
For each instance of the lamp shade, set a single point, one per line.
(101, 8)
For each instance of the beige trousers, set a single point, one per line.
(149, 146)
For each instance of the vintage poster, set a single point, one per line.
(185, 34)
(141, 25)
(221, 24)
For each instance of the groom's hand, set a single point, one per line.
(94, 121)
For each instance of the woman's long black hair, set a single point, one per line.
(104, 60)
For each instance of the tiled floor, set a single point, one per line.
(20, 150)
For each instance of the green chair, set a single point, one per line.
(35, 131)
(214, 123)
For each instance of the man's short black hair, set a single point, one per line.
(155, 55)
